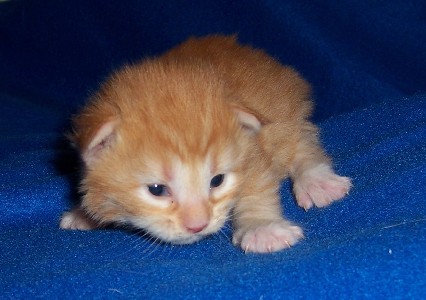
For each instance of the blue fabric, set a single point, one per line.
(366, 61)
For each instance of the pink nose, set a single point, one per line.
(196, 229)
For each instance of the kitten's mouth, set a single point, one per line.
(175, 234)
(184, 240)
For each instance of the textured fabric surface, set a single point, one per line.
(366, 61)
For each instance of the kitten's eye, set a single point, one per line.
(158, 190)
(217, 180)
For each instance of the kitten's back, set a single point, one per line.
(275, 92)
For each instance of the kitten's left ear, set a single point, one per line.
(249, 119)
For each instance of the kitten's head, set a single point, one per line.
(164, 150)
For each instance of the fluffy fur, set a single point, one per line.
(177, 122)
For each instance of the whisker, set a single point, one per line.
(155, 245)
(232, 214)
(140, 238)
(224, 234)
(123, 242)
(152, 244)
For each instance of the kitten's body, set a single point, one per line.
(175, 124)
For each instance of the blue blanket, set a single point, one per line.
(366, 61)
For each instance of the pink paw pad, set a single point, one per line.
(320, 186)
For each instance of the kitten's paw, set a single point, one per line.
(76, 219)
(268, 238)
(320, 186)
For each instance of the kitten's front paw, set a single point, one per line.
(76, 219)
(268, 238)
(320, 186)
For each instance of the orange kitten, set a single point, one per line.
(177, 144)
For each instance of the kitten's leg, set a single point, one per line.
(314, 181)
(258, 222)
(77, 219)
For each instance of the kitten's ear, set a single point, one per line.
(95, 130)
(248, 119)
(92, 143)
(103, 138)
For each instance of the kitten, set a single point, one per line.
(177, 144)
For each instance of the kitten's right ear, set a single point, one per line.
(93, 141)
(102, 140)
(95, 130)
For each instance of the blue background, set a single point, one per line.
(366, 61)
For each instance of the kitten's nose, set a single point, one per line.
(195, 215)
(196, 229)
